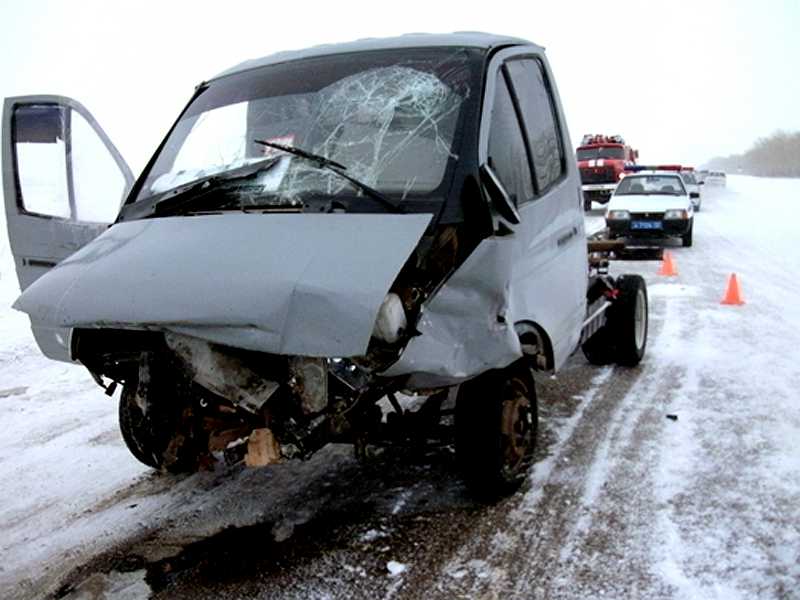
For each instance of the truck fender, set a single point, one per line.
(536, 344)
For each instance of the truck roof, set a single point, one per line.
(471, 39)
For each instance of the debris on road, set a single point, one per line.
(395, 568)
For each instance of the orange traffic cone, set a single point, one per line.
(732, 293)
(668, 268)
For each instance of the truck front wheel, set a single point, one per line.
(496, 422)
(159, 430)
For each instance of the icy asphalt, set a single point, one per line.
(622, 501)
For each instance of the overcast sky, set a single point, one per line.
(682, 82)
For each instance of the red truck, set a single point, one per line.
(602, 160)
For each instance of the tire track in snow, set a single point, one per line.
(527, 550)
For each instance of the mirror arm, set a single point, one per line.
(501, 200)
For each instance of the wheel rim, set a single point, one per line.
(516, 426)
(640, 319)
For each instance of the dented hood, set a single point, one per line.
(298, 284)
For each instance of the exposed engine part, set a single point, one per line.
(308, 379)
(221, 373)
(391, 321)
(262, 449)
(221, 439)
(352, 375)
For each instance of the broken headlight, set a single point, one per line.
(391, 321)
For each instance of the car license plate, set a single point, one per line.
(646, 225)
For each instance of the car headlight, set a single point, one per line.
(391, 320)
(676, 213)
(618, 215)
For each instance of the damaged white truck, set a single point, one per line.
(321, 231)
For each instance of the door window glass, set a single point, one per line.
(507, 154)
(539, 118)
(98, 182)
(39, 144)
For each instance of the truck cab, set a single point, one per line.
(602, 161)
(319, 231)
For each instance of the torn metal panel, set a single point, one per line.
(466, 328)
(308, 379)
(225, 375)
(296, 284)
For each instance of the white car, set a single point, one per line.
(651, 204)
(716, 178)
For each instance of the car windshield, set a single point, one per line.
(688, 178)
(392, 118)
(650, 184)
(614, 152)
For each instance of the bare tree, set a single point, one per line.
(777, 155)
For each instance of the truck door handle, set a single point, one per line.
(567, 236)
(37, 262)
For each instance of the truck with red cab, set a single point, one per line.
(602, 161)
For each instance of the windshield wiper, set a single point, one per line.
(326, 163)
(191, 193)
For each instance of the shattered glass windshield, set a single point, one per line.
(391, 117)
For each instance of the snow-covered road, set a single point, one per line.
(623, 502)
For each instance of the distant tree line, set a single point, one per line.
(777, 155)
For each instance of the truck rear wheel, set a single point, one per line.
(623, 338)
(158, 430)
(628, 318)
(496, 423)
(600, 349)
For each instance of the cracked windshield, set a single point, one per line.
(392, 120)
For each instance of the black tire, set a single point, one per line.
(687, 237)
(599, 349)
(496, 422)
(631, 306)
(163, 438)
(623, 339)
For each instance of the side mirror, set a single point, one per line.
(694, 194)
(701, 183)
(498, 194)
